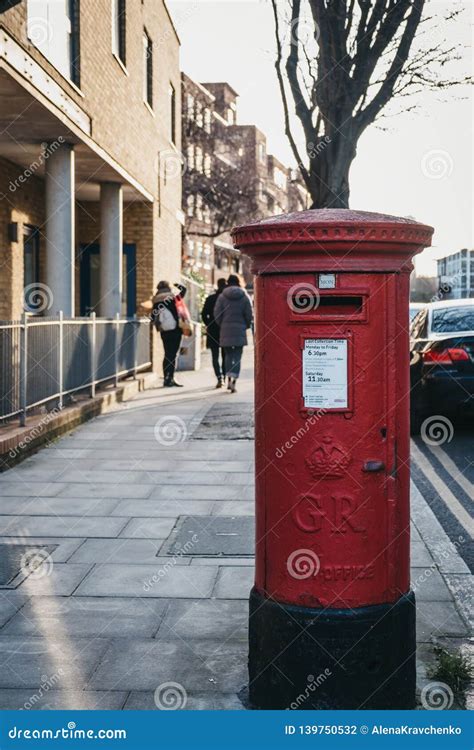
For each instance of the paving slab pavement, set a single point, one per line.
(109, 618)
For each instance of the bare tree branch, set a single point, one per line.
(385, 93)
(278, 67)
(363, 54)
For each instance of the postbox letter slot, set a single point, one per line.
(324, 305)
(344, 305)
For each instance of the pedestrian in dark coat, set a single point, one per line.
(166, 320)
(233, 313)
(213, 332)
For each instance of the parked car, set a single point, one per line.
(415, 308)
(441, 360)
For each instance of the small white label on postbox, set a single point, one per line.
(325, 373)
(327, 281)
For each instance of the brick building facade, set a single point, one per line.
(229, 178)
(90, 154)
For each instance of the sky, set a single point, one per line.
(416, 164)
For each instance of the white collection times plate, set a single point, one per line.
(325, 373)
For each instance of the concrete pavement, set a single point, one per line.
(112, 609)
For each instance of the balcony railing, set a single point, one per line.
(43, 360)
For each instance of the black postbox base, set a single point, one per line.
(302, 658)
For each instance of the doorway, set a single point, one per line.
(89, 264)
(31, 267)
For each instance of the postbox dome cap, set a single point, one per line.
(325, 227)
(330, 215)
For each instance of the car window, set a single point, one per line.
(418, 327)
(453, 319)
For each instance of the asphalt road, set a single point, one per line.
(442, 461)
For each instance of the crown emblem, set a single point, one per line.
(328, 459)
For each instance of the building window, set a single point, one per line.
(147, 69)
(74, 39)
(261, 152)
(190, 248)
(198, 160)
(206, 214)
(207, 120)
(172, 112)
(279, 178)
(190, 156)
(199, 115)
(199, 213)
(30, 265)
(207, 165)
(190, 205)
(119, 29)
(53, 27)
(190, 107)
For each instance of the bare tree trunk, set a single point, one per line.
(329, 167)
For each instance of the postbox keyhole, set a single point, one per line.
(383, 432)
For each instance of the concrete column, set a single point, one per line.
(111, 242)
(59, 229)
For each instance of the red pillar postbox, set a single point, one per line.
(332, 617)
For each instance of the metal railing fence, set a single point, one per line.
(44, 359)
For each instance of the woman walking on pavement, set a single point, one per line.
(233, 313)
(166, 319)
(213, 332)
